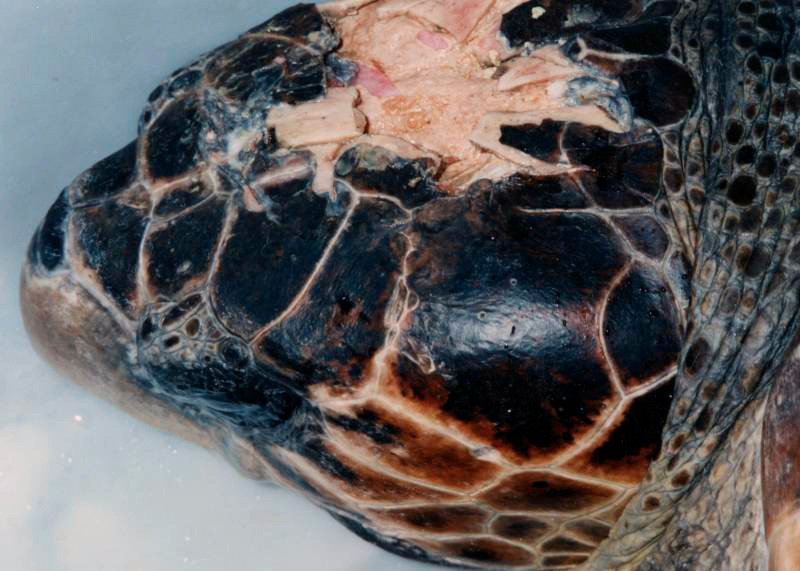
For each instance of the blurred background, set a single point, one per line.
(83, 486)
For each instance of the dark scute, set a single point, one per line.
(172, 142)
(625, 168)
(519, 28)
(251, 401)
(188, 240)
(304, 78)
(393, 545)
(375, 169)
(180, 199)
(565, 544)
(107, 178)
(270, 255)
(47, 245)
(268, 68)
(539, 141)
(368, 423)
(642, 327)
(590, 530)
(486, 550)
(660, 90)
(184, 79)
(519, 528)
(109, 237)
(650, 37)
(295, 22)
(543, 491)
(514, 334)
(317, 452)
(541, 192)
(636, 441)
(561, 19)
(646, 234)
(364, 266)
(742, 190)
(564, 560)
(439, 518)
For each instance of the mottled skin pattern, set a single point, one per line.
(538, 372)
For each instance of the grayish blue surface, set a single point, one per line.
(83, 486)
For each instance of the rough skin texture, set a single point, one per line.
(545, 341)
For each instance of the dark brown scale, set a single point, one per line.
(624, 454)
(174, 261)
(109, 236)
(539, 141)
(519, 528)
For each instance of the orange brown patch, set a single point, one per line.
(589, 530)
(624, 453)
(439, 519)
(520, 528)
(546, 492)
(410, 448)
(566, 544)
(483, 551)
(564, 560)
(363, 483)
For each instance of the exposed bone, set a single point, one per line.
(325, 156)
(333, 119)
(459, 17)
(392, 8)
(543, 65)
(341, 8)
(399, 147)
(487, 134)
(486, 167)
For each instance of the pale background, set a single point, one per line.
(107, 492)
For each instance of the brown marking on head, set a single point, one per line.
(364, 483)
(436, 519)
(625, 451)
(483, 551)
(546, 492)
(564, 560)
(565, 544)
(520, 528)
(589, 530)
(433, 395)
(410, 448)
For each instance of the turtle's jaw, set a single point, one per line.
(70, 329)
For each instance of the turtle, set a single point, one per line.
(499, 284)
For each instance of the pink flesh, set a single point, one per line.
(435, 41)
(459, 17)
(375, 82)
(430, 89)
